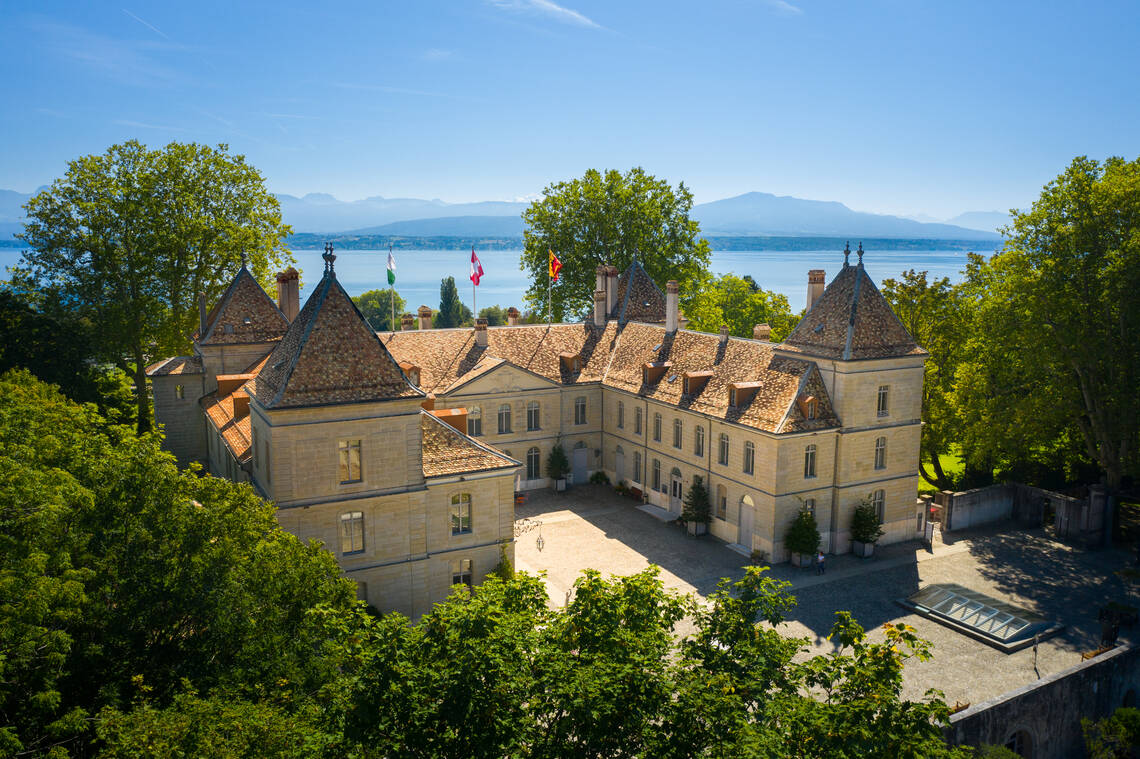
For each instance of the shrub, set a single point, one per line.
(803, 535)
(697, 509)
(557, 464)
(600, 478)
(865, 526)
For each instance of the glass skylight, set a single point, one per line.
(992, 621)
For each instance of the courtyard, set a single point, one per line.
(593, 527)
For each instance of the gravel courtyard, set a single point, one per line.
(593, 527)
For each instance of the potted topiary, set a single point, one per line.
(697, 512)
(865, 528)
(802, 539)
(557, 466)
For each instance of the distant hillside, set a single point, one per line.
(11, 213)
(760, 213)
(988, 221)
(493, 226)
(319, 212)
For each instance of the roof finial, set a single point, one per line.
(860, 252)
(329, 258)
(846, 254)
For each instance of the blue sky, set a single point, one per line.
(893, 106)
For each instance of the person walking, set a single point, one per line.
(820, 567)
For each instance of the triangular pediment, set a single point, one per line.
(499, 377)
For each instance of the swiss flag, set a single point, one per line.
(476, 267)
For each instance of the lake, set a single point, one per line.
(418, 272)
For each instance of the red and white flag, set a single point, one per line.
(476, 267)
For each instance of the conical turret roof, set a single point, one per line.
(244, 314)
(639, 299)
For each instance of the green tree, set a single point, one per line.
(376, 305)
(741, 304)
(452, 312)
(496, 316)
(1054, 356)
(557, 465)
(698, 509)
(128, 239)
(803, 534)
(610, 218)
(934, 314)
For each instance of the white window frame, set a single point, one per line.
(505, 419)
(535, 455)
(809, 461)
(351, 533)
(533, 416)
(461, 514)
(475, 422)
(699, 441)
(749, 466)
(580, 411)
(345, 461)
(723, 450)
(880, 453)
(884, 400)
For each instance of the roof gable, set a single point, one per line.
(447, 451)
(852, 321)
(638, 297)
(330, 355)
(244, 314)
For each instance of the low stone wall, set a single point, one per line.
(1080, 519)
(1046, 715)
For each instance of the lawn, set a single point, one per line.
(952, 465)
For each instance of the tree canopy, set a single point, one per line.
(128, 239)
(610, 218)
(376, 306)
(741, 304)
(452, 311)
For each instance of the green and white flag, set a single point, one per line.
(391, 267)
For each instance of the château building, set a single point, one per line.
(402, 451)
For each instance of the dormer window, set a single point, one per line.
(742, 393)
(571, 362)
(653, 371)
(695, 382)
(809, 406)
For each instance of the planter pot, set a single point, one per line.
(862, 549)
(560, 484)
(802, 559)
(697, 528)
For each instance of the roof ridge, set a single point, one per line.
(854, 308)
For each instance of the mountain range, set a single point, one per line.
(751, 214)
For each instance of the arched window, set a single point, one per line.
(749, 458)
(460, 513)
(699, 441)
(637, 467)
(657, 428)
(533, 464)
(881, 453)
(678, 433)
(352, 532)
(809, 462)
(504, 419)
(721, 502)
(475, 421)
(722, 456)
(532, 416)
(637, 421)
(656, 474)
(621, 415)
(579, 411)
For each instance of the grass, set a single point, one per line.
(952, 466)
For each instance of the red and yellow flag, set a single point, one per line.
(555, 266)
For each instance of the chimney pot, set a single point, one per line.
(424, 312)
(671, 292)
(289, 293)
(611, 290)
(599, 307)
(816, 283)
(761, 331)
(512, 317)
(481, 333)
(723, 334)
(406, 321)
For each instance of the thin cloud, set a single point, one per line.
(549, 9)
(398, 90)
(784, 7)
(148, 25)
(145, 125)
(436, 54)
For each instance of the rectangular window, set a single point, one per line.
(352, 532)
(621, 416)
(809, 506)
(504, 419)
(637, 467)
(699, 441)
(475, 421)
(179, 392)
(657, 428)
(879, 501)
(749, 458)
(722, 455)
(532, 416)
(809, 462)
(656, 474)
(349, 461)
(881, 453)
(461, 572)
(533, 464)
(637, 421)
(884, 400)
(721, 502)
(461, 514)
(678, 433)
(579, 411)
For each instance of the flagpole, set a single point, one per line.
(392, 292)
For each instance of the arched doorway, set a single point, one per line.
(676, 491)
(747, 507)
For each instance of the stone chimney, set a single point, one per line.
(512, 317)
(761, 332)
(289, 293)
(816, 284)
(611, 290)
(723, 334)
(424, 313)
(599, 306)
(407, 321)
(201, 315)
(481, 333)
(671, 290)
(600, 277)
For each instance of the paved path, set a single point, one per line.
(592, 527)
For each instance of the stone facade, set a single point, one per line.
(824, 420)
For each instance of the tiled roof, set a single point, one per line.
(244, 314)
(330, 355)
(614, 356)
(447, 451)
(851, 321)
(237, 433)
(177, 365)
(638, 297)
